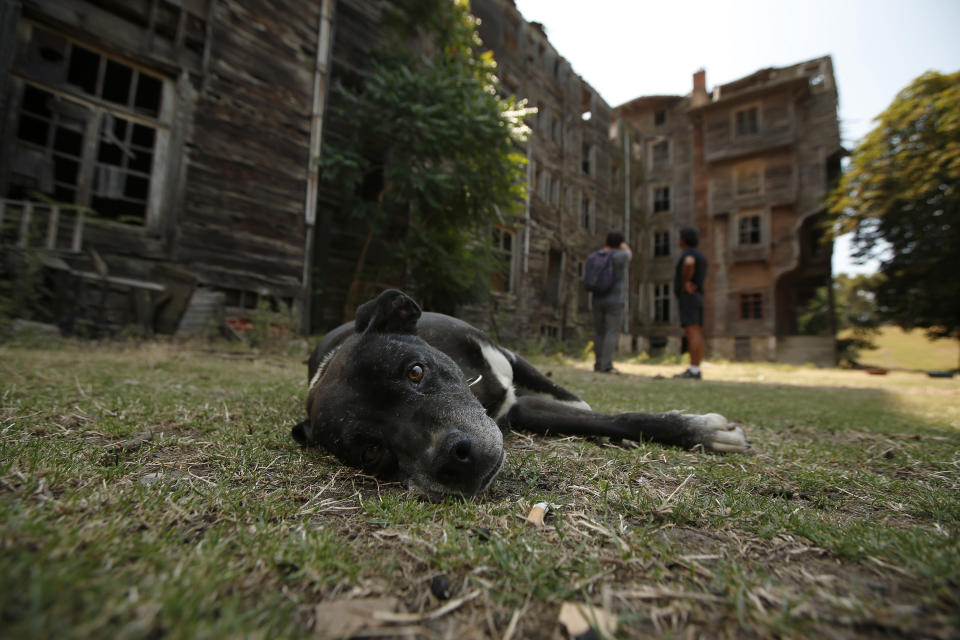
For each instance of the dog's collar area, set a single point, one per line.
(479, 377)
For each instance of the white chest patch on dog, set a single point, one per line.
(503, 372)
(322, 368)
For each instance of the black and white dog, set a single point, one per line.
(422, 397)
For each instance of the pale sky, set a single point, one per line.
(630, 48)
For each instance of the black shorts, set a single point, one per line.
(691, 308)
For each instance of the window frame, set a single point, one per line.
(756, 230)
(661, 202)
(754, 122)
(751, 306)
(656, 162)
(587, 212)
(662, 247)
(661, 300)
(94, 111)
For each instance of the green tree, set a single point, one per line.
(856, 302)
(901, 199)
(855, 313)
(430, 154)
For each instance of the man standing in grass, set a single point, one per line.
(608, 304)
(688, 286)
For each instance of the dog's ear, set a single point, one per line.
(391, 312)
(300, 431)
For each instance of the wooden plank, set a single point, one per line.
(121, 282)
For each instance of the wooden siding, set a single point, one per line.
(242, 223)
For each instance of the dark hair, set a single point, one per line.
(690, 236)
(614, 239)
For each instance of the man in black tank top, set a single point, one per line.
(688, 287)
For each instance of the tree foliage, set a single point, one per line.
(855, 314)
(430, 153)
(901, 199)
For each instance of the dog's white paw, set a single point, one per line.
(717, 434)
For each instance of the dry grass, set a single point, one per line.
(153, 491)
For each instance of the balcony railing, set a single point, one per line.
(38, 225)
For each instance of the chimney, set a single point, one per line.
(700, 80)
(699, 96)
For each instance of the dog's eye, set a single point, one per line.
(415, 373)
(371, 454)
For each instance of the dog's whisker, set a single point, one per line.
(470, 383)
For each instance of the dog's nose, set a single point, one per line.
(462, 450)
(458, 460)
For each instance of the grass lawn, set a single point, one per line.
(155, 491)
(899, 349)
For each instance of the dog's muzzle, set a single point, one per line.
(466, 463)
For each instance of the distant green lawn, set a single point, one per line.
(155, 491)
(898, 349)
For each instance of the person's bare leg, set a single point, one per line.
(696, 348)
(695, 343)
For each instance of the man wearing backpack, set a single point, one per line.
(605, 277)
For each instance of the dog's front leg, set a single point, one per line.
(541, 415)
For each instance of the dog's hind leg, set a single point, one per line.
(543, 415)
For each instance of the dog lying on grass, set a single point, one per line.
(422, 398)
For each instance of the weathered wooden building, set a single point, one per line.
(748, 164)
(164, 150)
(163, 153)
(572, 184)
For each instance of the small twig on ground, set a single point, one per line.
(389, 616)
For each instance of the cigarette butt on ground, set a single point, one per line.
(539, 510)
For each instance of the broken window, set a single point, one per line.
(661, 199)
(661, 303)
(504, 241)
(747, 123)
(121, 178)
(751, 306)
(659, 117)
(74, 99)
(661, 244)
(586, 152)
